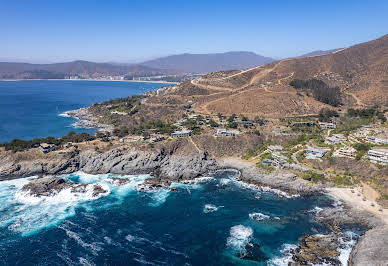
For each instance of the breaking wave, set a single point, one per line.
(240, 236)
(257, 216)
(27, 214)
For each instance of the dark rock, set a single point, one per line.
(97, 190)
(45, 186)
(252, 252)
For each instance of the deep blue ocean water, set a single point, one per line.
(214, 221)
(206, 223)
(30, 109)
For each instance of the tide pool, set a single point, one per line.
(212, 221)
(32, 108)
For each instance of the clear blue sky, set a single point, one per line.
(52, 31)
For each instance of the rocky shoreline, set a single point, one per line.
(169, 164)
(87, 120)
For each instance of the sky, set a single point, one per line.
(130, 31)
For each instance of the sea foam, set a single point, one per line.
(257, 216)
(27, 214)
(240, 236)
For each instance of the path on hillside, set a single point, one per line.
(240, 90)
(194, 144)
(358, 101)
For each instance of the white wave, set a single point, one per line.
(316, 210)
(159, 196)
(257, 216)
(239, 237)
(27, 214)
(211, 208)
(225, 181)
(346, 245)
(85, 262)
(64, 114)
(275, 191)
(93, 247)
(286, 258)
(203, 179)
(65, 195)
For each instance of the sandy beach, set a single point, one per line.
(362, 197)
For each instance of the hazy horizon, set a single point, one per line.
(136, 31)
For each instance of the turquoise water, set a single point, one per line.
(214, 221)
(30, 109)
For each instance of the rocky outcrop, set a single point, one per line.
(372, 248)
(87, 119)
(317, 249)
(162, 163)
(282, 180)
(49, 186)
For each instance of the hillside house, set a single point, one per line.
(316, 153)
(377, 140)
(227, 133)
(46, 148)
(274, 148)
(245, 123)
(346, 152)
(129, 139)
(327, 125)
(181, 134)
(192, 117)
(378, 156)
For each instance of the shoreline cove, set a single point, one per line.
(240, 235)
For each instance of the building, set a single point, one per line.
(227, 133)
(129, 139)
(332, 140)
(335, 139)
(378, 156)
(377, 140)
(346, 152)
(45, 148)
(327, 125)
(274, 148)
(181, 134)
(279, 159)
(68, 145)
(315, 152)
(192, 117)
(246, 123)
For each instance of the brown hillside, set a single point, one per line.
(360, 71)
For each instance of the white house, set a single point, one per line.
(378, 156)
(181, 134)
(327, 125)
(377, 140)
(224, 132)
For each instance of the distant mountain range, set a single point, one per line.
(75, 68)
(319, 52)
(205, 63)
(170, 65)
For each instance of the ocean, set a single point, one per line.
(213, 221)
(33, 108)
